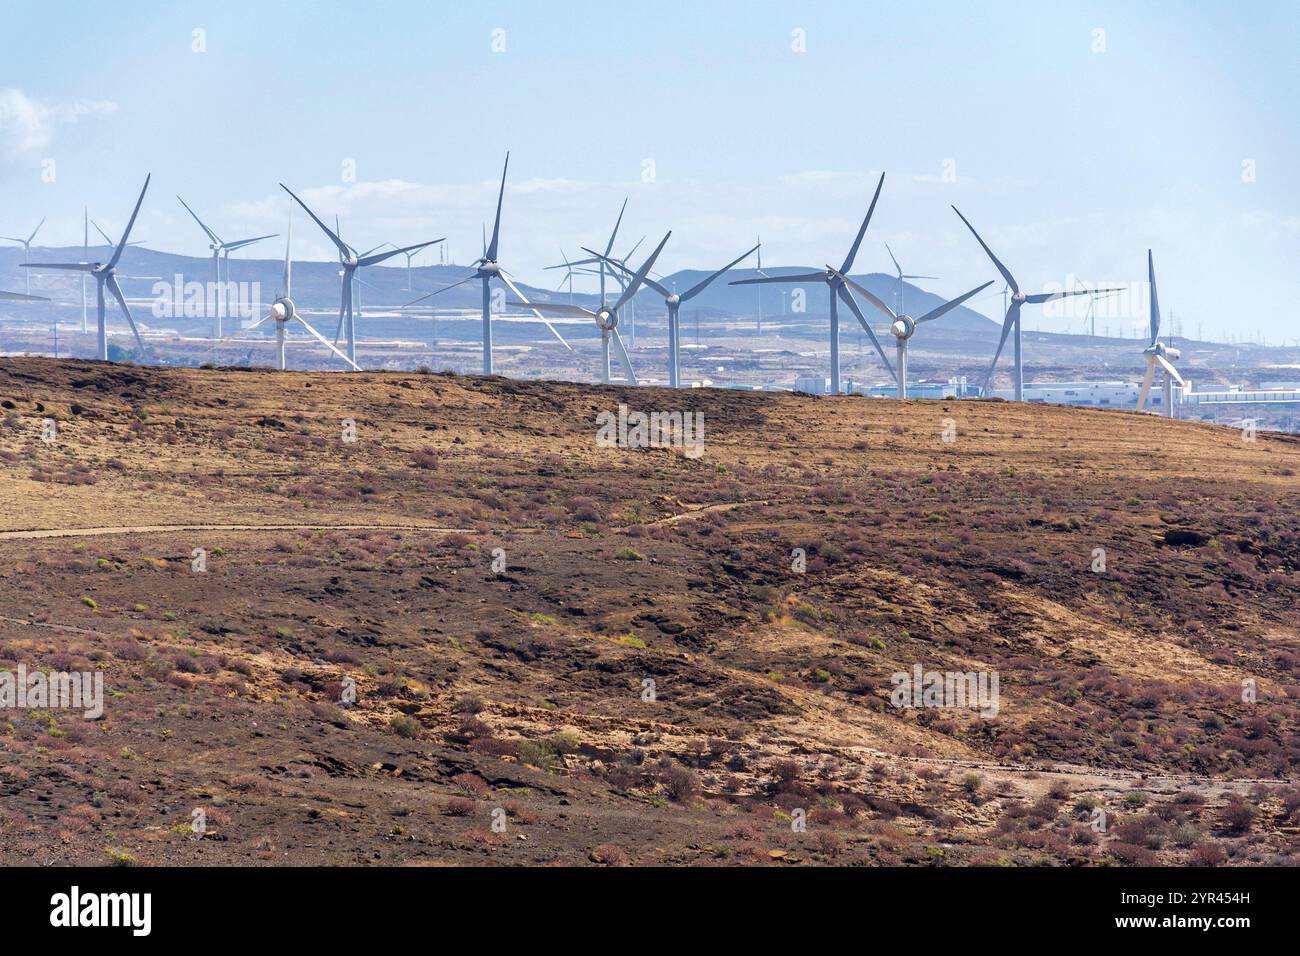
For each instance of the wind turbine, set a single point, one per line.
(898, 285)
(220, 248)
(674, 303)
(1157, 353)
(283, 311)
(27, 250)
(759, 270)
(606, 317)
(486, 268)
(904, 326)
(105, 274)
(1012, 319)
(351, 262)
(834, 280)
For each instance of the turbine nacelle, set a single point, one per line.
(1159, 348)
(1019, 298)
(282, 309)
(674, 299)
(487, 270)
(606, 319)
(903, 326)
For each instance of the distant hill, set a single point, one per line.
(316, 285)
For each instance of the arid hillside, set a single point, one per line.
(390, 618)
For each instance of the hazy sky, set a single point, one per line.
(1073, 150)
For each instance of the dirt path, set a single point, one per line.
(171, 528)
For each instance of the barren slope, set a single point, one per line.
(369, 562)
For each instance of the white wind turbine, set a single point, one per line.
(105, 274)
(283, 310)
(27, 250)
(351, 262)
(1012, 319)
(220, 250)
(606, 317)
(486, 268)
(674, 303)
(1157, 353)
(834, 279)
(904, 326)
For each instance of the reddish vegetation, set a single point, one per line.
(644, 680)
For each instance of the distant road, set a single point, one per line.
(169, 528)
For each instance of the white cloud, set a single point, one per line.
(28, 126)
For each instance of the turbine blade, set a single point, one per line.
(862, 320)
(868, 295)
(36, 230)
(996, 261)
(699, 287)
(800, 277)
(862, 231)
(640, 275)
(383, 256)
(232, 246)
(1042, 297)
(610, 246)
(658, 287)
(1146, 382)
(1007, 323)
(211, 235)
(327, 343)
(555, 308)
(20, 297)
(623, 360)
(430, 295)
(897, 267)
(1169, 369)
(286, 289)
(342, 246)
(69, 266)
(516, 290)
(491, 253)
(949, 306)
(97, 229)
(1155, 302)
(126, 234)
(114, 288)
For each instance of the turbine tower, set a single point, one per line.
(834, 280)
(606, 317)
(220, 249)
(486, 268)
(1157, 353)
(1012, 318)
(27, 250)
(283, 311)
(105, 274)
(904, 326)
(351, 262)
(674, 303)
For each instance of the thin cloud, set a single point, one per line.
(28, 125)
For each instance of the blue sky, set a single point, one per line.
(1072, 160)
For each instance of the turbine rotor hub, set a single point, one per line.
(903, 327)
(488, 269)
(607, 320)
(674, 299)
